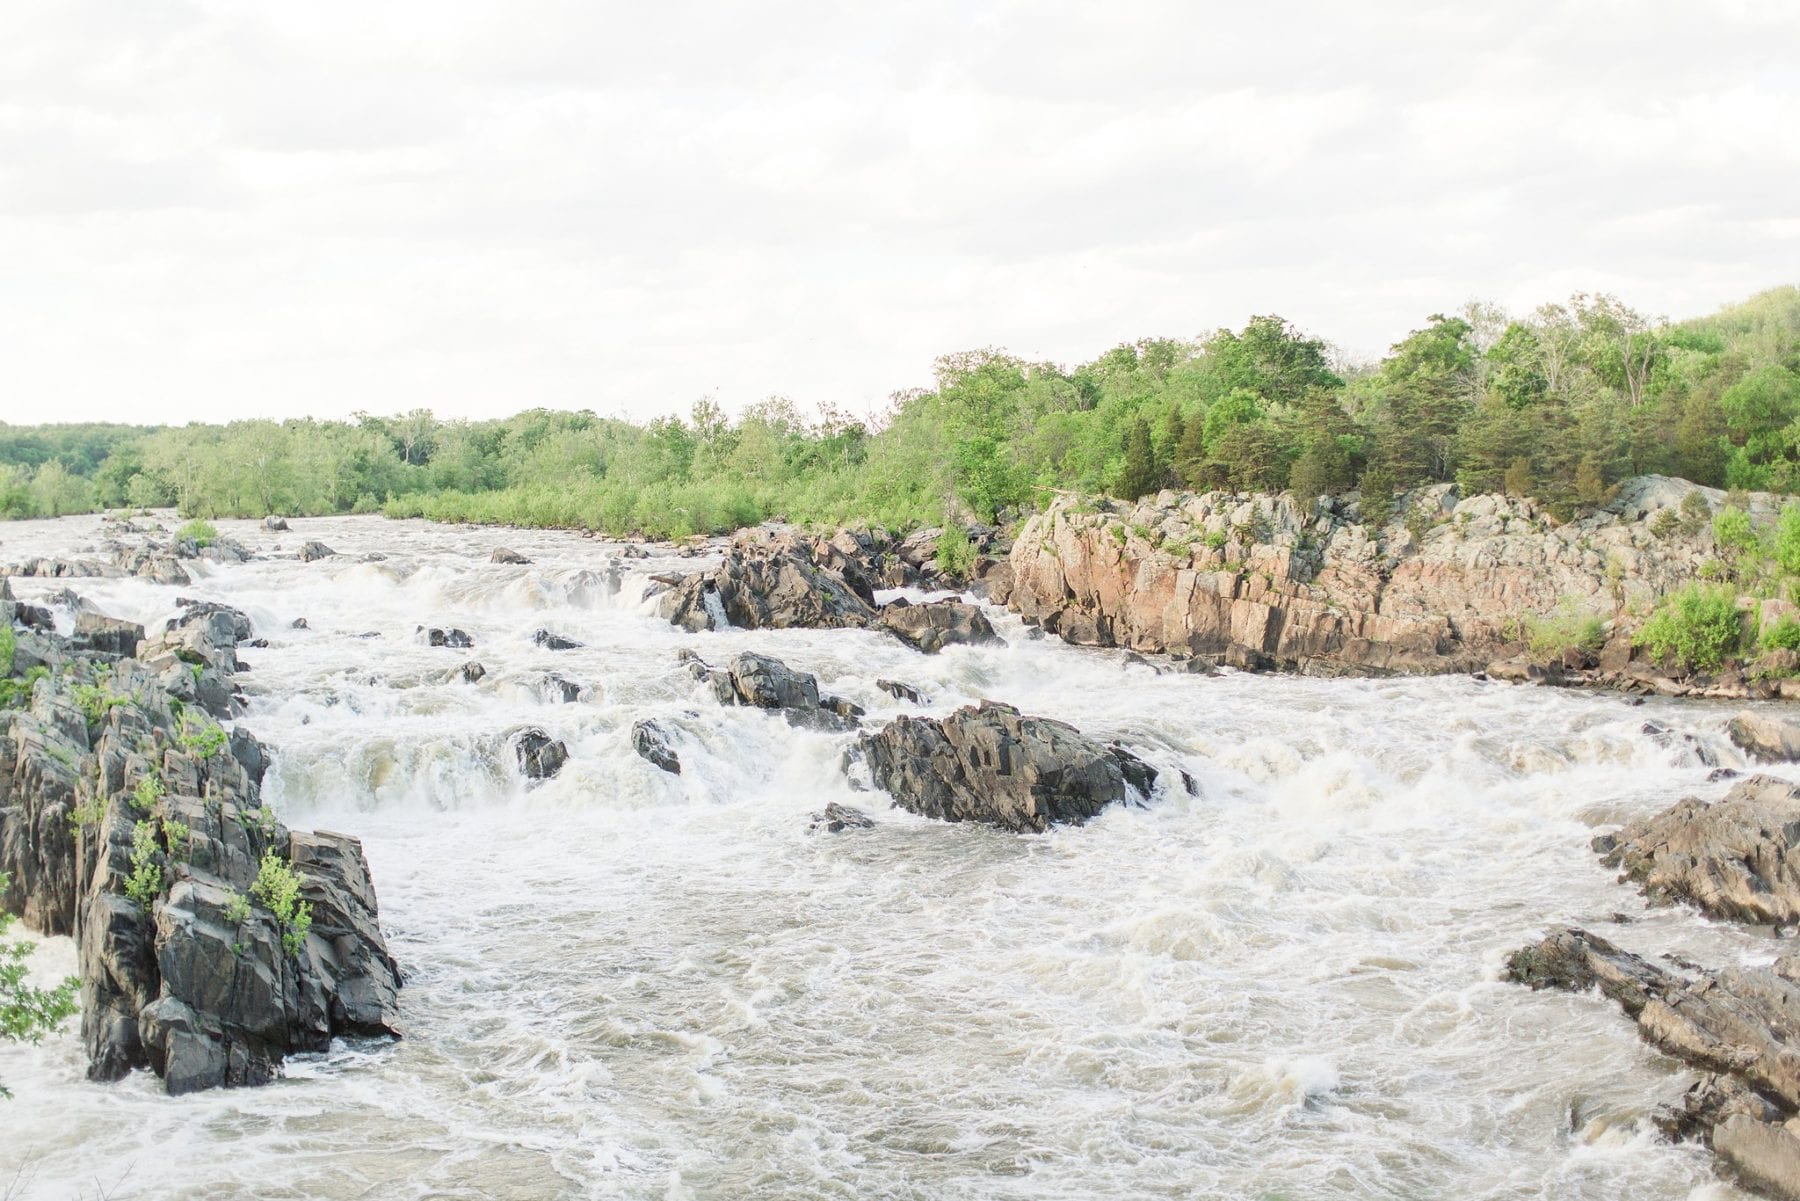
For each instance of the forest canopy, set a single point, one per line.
(1559, 405)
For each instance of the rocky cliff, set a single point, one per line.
(212, 940)
(1266, 581)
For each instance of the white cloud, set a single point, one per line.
(212, 209)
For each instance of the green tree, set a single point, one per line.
(1140, 475)
(27, 1012)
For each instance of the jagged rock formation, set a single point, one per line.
(551, 641)
(1263, 581)
(990, 763)
(783, 580)
(212, 940)
(1737, 1023)
(836, 818)
(1738, 858)
(540, 756)
(312, 551)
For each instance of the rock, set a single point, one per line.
(1736, 1022)
(1270, 582)
(1769, 737)
(503, 555)
(1738, 858)
(931, 627)
(769, 581)
(989, 763)
(554, 642)
(471, 672)
(840, 707)
(651, 741)
(452, 637)
(274, 524)
(108, 635)
(540, 756)
(313, 551)
(767, 683)
(901, 692)
(558, 689)
(836, 818)
(632, 550)
(1688, 746)
(299, 623)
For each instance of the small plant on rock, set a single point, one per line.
(200, 533)
(145, 882)
(1571, 626)
(200, 737)
(278, 888)
(1697, 627)
(955, 553)
(149, 790)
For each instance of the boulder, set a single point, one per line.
(1738, 858)
(901, 692)
(768, 581)
(990, 763)
(836, 818)
(767, 683)
(452, 637)
(554, 642)
(311, 551)
(108, 635)
(299, 623)
(1766, 736)
(471, 672)
(557, 689)
(503, 555)
(650, 740)
(275, 524)
(540, 756)
(931, 627)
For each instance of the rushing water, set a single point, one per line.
(626, 984)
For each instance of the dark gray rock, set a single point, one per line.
(839, 706)
(769, 581)
(554, 642)
(558, 689)
(503, 555)
(299, 623)
(990, 763)
(766, 683)
(274, 524)
(652, 741)
(451, 637)
(901, 692)
(311, 552)
(540, 756)
(836, 818)
(108, 635)
(931, 627)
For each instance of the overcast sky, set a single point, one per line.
(222, 209)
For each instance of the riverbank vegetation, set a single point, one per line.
(1559, 405)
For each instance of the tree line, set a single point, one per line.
(1559, 404)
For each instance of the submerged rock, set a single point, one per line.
(901, 692)
(554, 642)
(274, 524)
(311, 552)
(558, 689)
(540, 756)
(650, 740)
(990, 763)
(762, 682)
(452, 637)
(503, 555)
(1737, 858)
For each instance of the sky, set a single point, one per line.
(217, 210)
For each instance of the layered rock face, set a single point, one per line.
(990, 763)
(1264, 581)
(761, 682)
(1738, 1023)
(1735, 859)
(213, 941)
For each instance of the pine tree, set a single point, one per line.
(1139, 475)
(1173, 429)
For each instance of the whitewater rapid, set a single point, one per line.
(625, 984)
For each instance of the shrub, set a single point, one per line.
(198, 736)
(145, 882)
(149, 789)
(1695, 512)
(955, 553)
(9, 642)
(26, 1012)
(1784, 635)
(1697, 627)
(1216, 539)
(1732, 530)
(1666, 524)
(278, 887)
(200, 533)
(1570, 626)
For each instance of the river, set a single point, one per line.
(626, 984)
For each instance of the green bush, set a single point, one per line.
(1571, 626)
(955, 553)
(146, 880)
(278, 887)
(27, 1012)
(1697, 627)
(1783, 635)
(1666, 524)
(199, 532)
